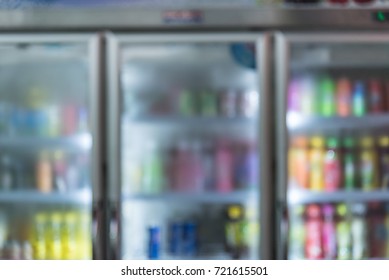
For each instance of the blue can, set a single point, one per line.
(176, 236)
(190, 239)
(154, 243)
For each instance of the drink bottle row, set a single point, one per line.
(35, 116)
(227, 103)
(184, 235)
(326, 96)
(46, 172)
(333, 163)
(194, 166)
(332, 2)
(340, 231)
(53, 235)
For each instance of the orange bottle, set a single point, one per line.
(316, 160)
(44, 179)
(344, 97)
(299, 161)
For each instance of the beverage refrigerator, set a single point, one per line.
(189, 145)
(50, 148)
(332, 145)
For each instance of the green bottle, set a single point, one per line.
(327, 97)
(208, 104)
(186, 103)
(349, 164)
(343, 233)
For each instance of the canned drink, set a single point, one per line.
(228, 102)
(154, 243)
(69, 236)
(176, 238)
(190, 239)
(53, 237)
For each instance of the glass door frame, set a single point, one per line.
(262, 41)
(283, 44)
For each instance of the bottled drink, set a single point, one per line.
(38, 236)
(299, 161)
(224, 167)
(332, 166)
(190, 244)
(209, 167)
(53, 236)
(316, 159)
(228, 102)
(296, 233)
(327, 97)
(308, 96)
(69, 236)
(53, 113)
(83, 235)
(82, 120)
(377, 231)
(3, 231)
(349, 164)
(359, 231)
(234, 231)
(176, 238)
(368, 164)
(44, 173)
(384, 161)
(7, 173)
(329, 232)
(69, 112)
(343, 235)
(359, 99)
(154, 243)
(153, 181)
(26, 251)
(246, 176)
(59, 171)
(375, 96)
(186, 104)
(294, 96)
(4, 117)
(208, 104)
(313, 229)
(248, 103)
(344, 97)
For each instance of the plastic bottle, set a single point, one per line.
(154, 243)
(183, 167)
(368, 164)
(38, 236)
(313, 229)
(3, 231)
(294, 96)
(344, 97)
(228, 103)
(359, 99)
(343, 233)
(327, 97)
(186, 104)
(296, 233)
(308, 96)
(234, 231)
(359, 231)
(69, 119)
(329, 232)
(44, 176)
(7, 173)
(247, 165)
(299, 161)
(59, 171)
(69, 236)
(383, 143)
(377, 231)
(316, 159)
(153, 170)
(26, 251)
(209, 168)
(208, 104)
(332, 166)
(53, 236)
(375, 97)
(224, 167)
(349, 164)
(196, 168)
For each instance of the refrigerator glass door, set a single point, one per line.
(189, 148)
(45, 147)
(336, 105)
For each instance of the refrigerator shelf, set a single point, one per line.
(296, 197)
(83, 197)
(297, 122)
(208, 197)
(312, 65)
(82, 141)
(188, 121)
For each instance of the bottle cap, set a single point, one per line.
(313, 211)
(328, 210)
(341, 210)
(367, 142)
(332, 142)
(359, 209)
(317, 142)
(300, 141)
(384, 141)
(327, 85)
(234, 212)
(349, 142)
